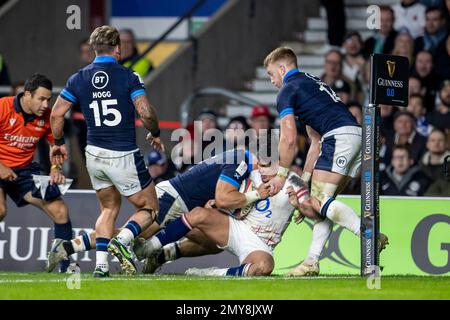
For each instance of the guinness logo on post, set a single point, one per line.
(391, 67)
(389, 80)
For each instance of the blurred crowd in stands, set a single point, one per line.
(414, 140)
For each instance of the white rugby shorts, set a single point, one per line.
(171, 205)
(242, 240)
(123, 169)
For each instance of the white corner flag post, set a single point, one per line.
(388, 85)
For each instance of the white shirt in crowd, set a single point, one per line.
(411, 18)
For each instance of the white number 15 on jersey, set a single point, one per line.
(107, 109)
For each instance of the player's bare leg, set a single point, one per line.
(192, 246)
(56, 209)
(150, 231)
(257, 263)
(180, 227)
(146, 204)
(110, 201)
(261, 263)
(310, 266)
(3, 209)
(62, 249)
(84, 242)
(59, 214)
(325, 187)
(215, 225)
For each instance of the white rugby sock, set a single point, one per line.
(101, 260)
(341, 214)
(78, 244)
(216, 272)
(125, 236)
(321, 232)
(170, 251)
(155, 243)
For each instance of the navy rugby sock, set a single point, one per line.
(174, 231)
(240, 271)
(63, 231)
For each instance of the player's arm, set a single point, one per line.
(313, 153)
(288, 138)
(286, 149)
(229, 197)
(150, 120)
(58, 152)
(56, 173)
(6, 173)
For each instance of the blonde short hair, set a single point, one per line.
(104, 39)
(281, 53)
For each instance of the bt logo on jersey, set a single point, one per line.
(100, 79)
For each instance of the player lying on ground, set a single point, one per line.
(24, 121)
(334, 156)
(263, 218)
(216, 178)
(252, 239)
(109, 94)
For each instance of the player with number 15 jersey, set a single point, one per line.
(105, 91)
(108, 95)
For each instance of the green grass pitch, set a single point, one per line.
(175, 287)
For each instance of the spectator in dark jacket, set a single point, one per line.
(415, 86)
(336, 21)
(435, 31)
(423, 69)
(236, 133)
(387, 119)
(440, 118)
(159, 167)
(432, 162)
(4, 75)
(402, 178)
(383, 40)
(417, 107)
(405, 134)
(333, 68)
(439, 188)
(442, 59)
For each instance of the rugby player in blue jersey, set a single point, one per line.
(108, 95)
(218, 178)
(334, 156)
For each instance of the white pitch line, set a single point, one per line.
(172, 279)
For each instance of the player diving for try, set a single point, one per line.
(251, 238)
(334, 156)
(218, 178)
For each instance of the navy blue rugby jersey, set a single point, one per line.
(105, 91)
(198, 185)
(313, 102)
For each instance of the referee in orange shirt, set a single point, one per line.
(24, 120)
